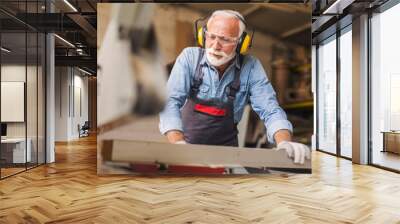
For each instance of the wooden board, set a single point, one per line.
(195, 155)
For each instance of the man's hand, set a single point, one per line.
(175, 137)
(299, 152)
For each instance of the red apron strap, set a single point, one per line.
(210, 110)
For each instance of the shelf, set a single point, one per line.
(299, 105)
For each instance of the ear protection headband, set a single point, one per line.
(245, 40)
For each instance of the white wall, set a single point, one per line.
(33, 126)
(62, 81)
(12, 73)
(69, 82)
(79, 117)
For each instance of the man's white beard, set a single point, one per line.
(218, 62)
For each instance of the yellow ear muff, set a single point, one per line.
(200, 38)
(245, 45)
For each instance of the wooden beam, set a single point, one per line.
(84, 24)
(250, 10)
(146, 152)
(289, 8)
(303, 8)
(296, 30)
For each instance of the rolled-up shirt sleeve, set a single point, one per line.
(264, 103)
(178, 86)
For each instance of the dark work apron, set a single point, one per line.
(210, 122)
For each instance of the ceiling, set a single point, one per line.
(288, 22)
(19, 54)
(75, 22)
(328, 17)
(39, 6)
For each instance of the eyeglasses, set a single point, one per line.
(222, 39)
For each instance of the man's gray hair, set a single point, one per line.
(230, 14)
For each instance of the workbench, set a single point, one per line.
(139, 146)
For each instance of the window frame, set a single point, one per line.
(333, 37)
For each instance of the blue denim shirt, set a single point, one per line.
(255, 88)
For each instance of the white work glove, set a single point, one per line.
(180, 142)
(299, 152)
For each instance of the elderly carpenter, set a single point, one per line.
(209, 88)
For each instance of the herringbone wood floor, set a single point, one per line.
(69, 191)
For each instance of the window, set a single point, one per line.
(345, 42)
(327, 95)
(22, 77)
(385, 88)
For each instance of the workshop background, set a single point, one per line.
(282, 42)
